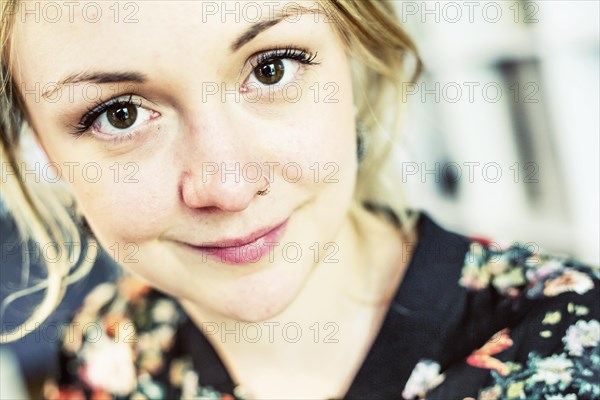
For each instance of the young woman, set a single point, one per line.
(232, 157)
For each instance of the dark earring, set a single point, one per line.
(361, 145)
(85, 226)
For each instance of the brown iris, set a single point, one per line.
(122, 116)
(270, 73)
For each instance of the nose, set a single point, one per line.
(225, 186)
(221, 167)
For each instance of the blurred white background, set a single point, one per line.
(505, 120)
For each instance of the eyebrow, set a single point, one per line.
(97, 78)
(261, 26)
(252, 32)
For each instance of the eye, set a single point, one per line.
(279, 66)
(272, 72)
(121, 118)
(115, 118)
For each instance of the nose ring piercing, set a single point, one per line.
(266, 190)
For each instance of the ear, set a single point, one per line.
(35, 154)
(32, 146)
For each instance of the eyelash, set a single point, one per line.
(303, 56)
(95, 112)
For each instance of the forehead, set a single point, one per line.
(97, 34)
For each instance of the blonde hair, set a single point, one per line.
(379, 48)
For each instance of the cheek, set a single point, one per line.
(130, 204)
(328, 155)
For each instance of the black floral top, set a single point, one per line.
(468, 321)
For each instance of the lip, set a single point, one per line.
(243, 250)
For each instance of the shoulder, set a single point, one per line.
(552, 349)
(515, 271)
(519, 322)
(116, 342)
(520, 270)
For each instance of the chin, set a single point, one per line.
(257, 314)
(263, 297)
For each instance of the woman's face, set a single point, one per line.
(203, 99)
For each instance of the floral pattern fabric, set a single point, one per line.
(495, 324)
(572, 371)
(122, 335)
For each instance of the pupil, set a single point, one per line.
(122, 117)
(122, 114)
(271, 72)
(268, 70)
